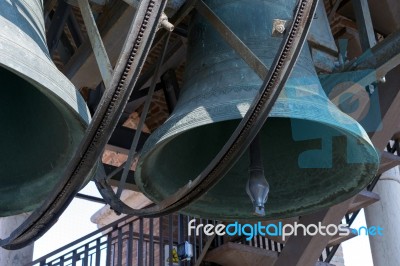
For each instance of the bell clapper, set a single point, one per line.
(257, 186)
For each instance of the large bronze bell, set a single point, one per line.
(313, 155)
(42, 115)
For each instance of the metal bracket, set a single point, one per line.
(279, 27)
(99, 50)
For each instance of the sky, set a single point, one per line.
(75, 223)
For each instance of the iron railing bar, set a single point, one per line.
(73, 243)
(119, 259)
(201, 238)
(108, 250)
(332, 252)
(258, 241)
(170, 239)
(98, 252)
(140, 248)
(161, 249)
(90, 198)
(74, 258)
(151, 243)
(194, 240)
(130, 244)
(85, 260)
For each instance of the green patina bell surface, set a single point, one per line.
(42, 116)
(314, 156)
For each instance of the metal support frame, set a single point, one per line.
(364, 24)
(171, 89)
(56, 28)
(100, 52)
(146, 108)
(90, 198)
(122, 137)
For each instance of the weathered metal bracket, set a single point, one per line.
(99, 50)
(364, 24)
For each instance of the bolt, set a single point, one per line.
(278, 27)
(165, 23)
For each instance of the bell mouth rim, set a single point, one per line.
(152, 145)
(282, 109)
(75, 125)
(52, 83)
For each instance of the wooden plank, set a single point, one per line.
(234, 254)
(337, 239)
(362, 200)
(205, 250)
(389, 95)
(305, 250)
(388, 161)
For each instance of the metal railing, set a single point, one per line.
(128, 241)
(141, 241)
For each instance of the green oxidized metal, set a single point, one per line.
(42, 115)
(314, 155)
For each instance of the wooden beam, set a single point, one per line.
(337, 239)
(362, 200)
(388, 161)
(303, 250)
(389, 94)
(234, 254)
